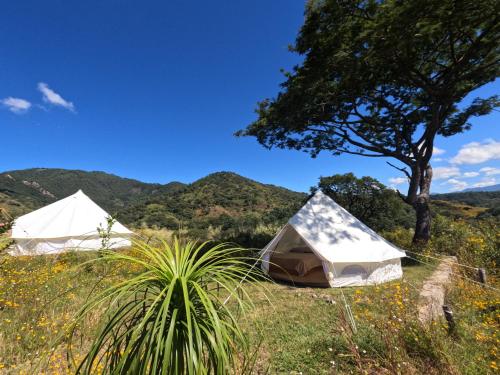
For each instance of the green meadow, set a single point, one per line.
(291, 329)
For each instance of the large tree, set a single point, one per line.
(383, 78)
(367, 199)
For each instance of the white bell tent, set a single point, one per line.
(324, 245)
(68, 224)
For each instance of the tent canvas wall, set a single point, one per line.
(68, 224)
(324, 245)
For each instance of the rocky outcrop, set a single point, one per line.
(35, 185)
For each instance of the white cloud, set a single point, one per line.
(470, 174)
(485, 182)
(489, 171)
(437, 151)
(476, 152)
(398, 180)
(52, 97)
(456, 184)
(16, 105)
(437, 159)
(440, 173)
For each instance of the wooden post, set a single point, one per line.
(482, 275)
(448, 314)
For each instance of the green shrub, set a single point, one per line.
(170, 317)
(473, 243)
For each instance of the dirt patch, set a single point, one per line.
(431, 299)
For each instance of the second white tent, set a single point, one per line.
(324, 245)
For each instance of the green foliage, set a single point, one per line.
(375, 72)
(6, 221)
(383, 79)
(170, 318)
(226, 207)
(222, 207)
(301, 331)
(456, 210)
(369, 200)
(489, 199)
(33, 188)
(493, 212)
(105, 233)
(12, 207)
(475, 243)
(4, 244)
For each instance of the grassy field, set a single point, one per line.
(304, 329)
(293, 330)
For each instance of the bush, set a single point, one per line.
(474, 243)
(170, 317)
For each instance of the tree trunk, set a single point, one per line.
(422, 209)
(423, 224)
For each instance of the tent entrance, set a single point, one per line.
(292, 260)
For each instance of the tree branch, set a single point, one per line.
(361, 153)
(404, 170)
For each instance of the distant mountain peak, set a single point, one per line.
(483, 188)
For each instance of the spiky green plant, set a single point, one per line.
(171, 317)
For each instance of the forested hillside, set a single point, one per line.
(222, 205)
(489, 200)
(223, 202)
(24, 190)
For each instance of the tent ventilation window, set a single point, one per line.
(354, 270)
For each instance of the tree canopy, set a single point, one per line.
(368, 199)
(383, 79)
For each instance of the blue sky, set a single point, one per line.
(154, 90)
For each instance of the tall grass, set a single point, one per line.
(170, 317)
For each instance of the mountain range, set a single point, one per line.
(28, 189)
(484, 188)
(218, 197)
(222, 199)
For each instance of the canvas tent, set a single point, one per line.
(68, 224)
(324, 245)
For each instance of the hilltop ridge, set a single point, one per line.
(221, 199)
(221, 195)
(24, 190)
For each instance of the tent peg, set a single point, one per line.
(482, 275)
